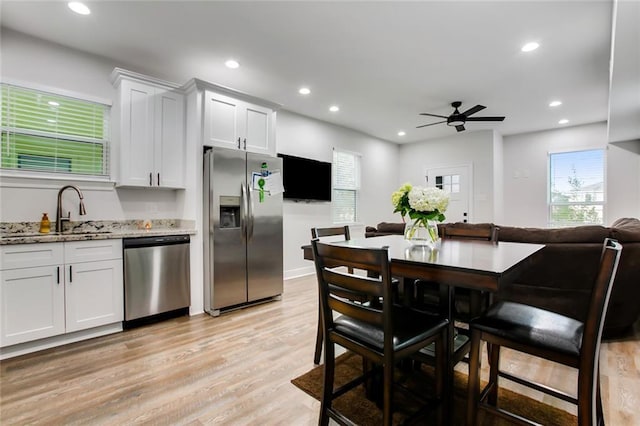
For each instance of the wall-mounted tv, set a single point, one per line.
(305, 179)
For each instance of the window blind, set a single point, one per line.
(45, 132)
(576, 188)
(346, 183)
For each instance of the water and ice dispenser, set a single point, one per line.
(229, 211)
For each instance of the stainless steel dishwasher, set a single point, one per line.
(156, 278)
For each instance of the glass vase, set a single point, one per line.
(422, 233)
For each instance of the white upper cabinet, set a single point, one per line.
(234, 123)
(148, 132)
(235, 120)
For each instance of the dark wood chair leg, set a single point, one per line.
(586, 408)
(318, 352)
(387, 403)
(327, 388)
(473, 391)
(494, 362)
(599, 412)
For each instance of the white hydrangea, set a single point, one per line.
(428, 199)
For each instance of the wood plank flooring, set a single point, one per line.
(232, 370)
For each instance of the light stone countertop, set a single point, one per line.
(27, 232)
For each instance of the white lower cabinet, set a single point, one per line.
(32, 304)
(93, 293)
(49, 289)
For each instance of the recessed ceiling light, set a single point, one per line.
(563, 121)
(304, 91)
(401, 133)
(53, 103)
(530, 46)
(231, 63)
(79, 8)
(555, 103)
(334, 108)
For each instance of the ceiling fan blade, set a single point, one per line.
(473, 110)
(433, 115)
(485, 119)
(431, 124)
(460, 128)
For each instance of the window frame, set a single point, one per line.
(15, 177)
(551, 204)
(355, 188)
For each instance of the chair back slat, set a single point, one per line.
(357, 311)
(354, 283)
(488, 232)
(332, 231)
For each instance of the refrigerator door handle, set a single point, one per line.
(243, 211)
(249, 213)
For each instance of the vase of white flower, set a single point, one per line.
(425, 206)
(422, 232)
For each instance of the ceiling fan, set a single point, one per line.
(457, 119)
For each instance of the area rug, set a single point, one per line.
(355, 406)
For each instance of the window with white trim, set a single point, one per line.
(43, 132)
(346, 183)
(576, 188)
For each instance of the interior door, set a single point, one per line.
(456, 182)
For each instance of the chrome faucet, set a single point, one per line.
(59, 217)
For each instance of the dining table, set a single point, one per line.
(472, 264)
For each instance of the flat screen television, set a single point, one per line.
(305, 179)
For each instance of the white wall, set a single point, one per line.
(526, 173)
(33, 61)
(476, 148)
(310, 138)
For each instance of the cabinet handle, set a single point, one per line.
(70, 275)
(150, 179)
(158, 179)
(238, 143)
(58, 275)
(245, 144)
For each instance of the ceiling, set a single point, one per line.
(382, 63)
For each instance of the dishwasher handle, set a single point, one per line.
(162, 240)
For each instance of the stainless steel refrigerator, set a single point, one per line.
(242, 231)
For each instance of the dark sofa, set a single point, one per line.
(560, 276)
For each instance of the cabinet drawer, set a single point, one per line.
(31, 255)
(89, 251)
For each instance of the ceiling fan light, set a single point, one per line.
(454, 123)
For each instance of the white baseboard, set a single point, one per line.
(63, 339)
(299, 272)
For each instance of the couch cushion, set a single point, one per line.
(391, 228)
(578, 234)
(627, 222)
(626, 230)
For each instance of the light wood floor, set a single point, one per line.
(232, 370)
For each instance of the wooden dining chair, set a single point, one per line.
(382, 334)
(547, 335)
(428, 293)
(317, 233)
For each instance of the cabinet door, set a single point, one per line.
(257, 130)
(32, 304)
(169, 140)
(136, 134)
(221, 120)
(94, 294)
